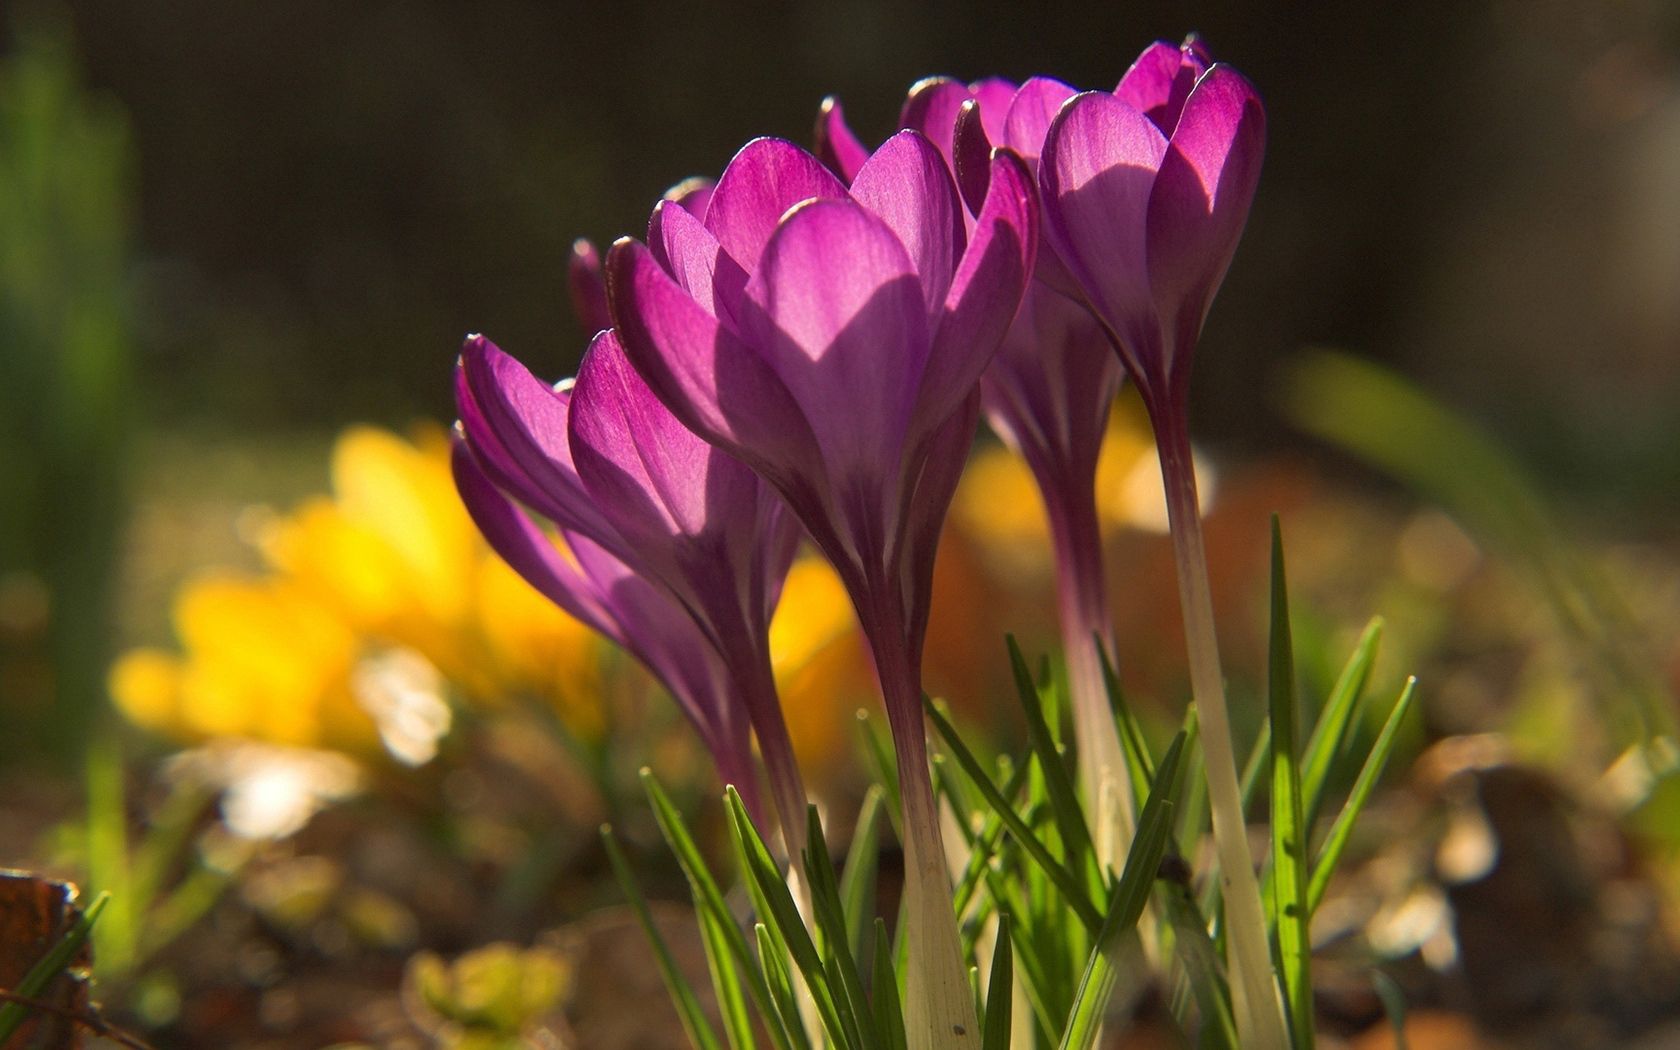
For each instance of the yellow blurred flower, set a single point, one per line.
(822, 666)
(266, 662)
(998, 502)
(382, 597)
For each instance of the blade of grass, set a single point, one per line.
(830, 915)
(109, 865)
(1058, 782)
(1070, 885)
(1049, 1007)
(1259, 761)
(785, 1003)
(1200, 959)
(48, 967)
(775, 905)
(883, 768)
(1131, 893)
(1140, 764)
(1394, 1005)
(1288, 882)
(1324, 865)
(709, 898)
(986, 841)
(700, 1032)
(727, 984)
(1329, 734)
(857, 879)
(999, 990)
(889, 1014)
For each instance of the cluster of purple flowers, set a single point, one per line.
(805, 347)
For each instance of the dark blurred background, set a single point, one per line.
(1486, 193)
(292, 212)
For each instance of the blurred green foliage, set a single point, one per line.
(65, 221)
(1400, 430)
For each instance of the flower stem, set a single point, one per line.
(938, 1007)
(1083, 596)
(1254, 994)
(775, 746)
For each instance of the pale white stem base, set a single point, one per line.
(1255, 1001)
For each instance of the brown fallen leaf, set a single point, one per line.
(35, 914)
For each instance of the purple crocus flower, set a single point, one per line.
(585, 278)
(1047, 393)
(679, 549)
(638, 616)
(1146, 190)
(833, 338)
(588, 287)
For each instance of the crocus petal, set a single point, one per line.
(971, 156)
(942, 462)
(907, 184)
(525, 420)
(653, 477)
(1048, 391)
(498, 463)
(692, 195)
(994, 95)
(765, 179)
(693, 256)
(1201, 198)
(1100, 159)
(986, 291)
(649, 624)
(848, 341)
(835, 144)
(1030, 114)
(1160, 80)
(588, 287)
(516, 538)
(931, 108)
(702, 372)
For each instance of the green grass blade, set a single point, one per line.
(1058, 782)
(1071, 886)
(1131, 893)
(1394, 1005)
(1259, 761)
(1324, 865)
(1200, 959)
(727, 984)
(889, 1013)
(1049, 1007)
(708, 898)
(47, 968)
(999, 990)
(1140, 764)
(878, 759)
(1330, 732)
(1288, 883)
(986, 841)
(700, 1032)
(775, 905)
(830, 916)
(785, 1003)
(109, 863)
(857, 880)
